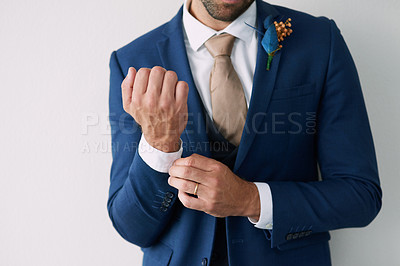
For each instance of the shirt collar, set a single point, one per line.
(198, 33)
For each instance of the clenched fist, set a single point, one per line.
(158, 103)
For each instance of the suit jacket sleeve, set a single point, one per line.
(140, 199)
(349, 194)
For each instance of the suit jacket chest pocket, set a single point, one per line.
(292, 111)
(293, 92)
(299, 102)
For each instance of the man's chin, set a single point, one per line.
(231, 2)
(226, 10)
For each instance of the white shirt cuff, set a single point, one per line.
(265, 220)
(156, 159)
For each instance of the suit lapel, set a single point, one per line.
(172, 51)
(263, 85)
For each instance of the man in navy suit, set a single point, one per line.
(305, 164)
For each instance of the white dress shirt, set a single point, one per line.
(244, 57)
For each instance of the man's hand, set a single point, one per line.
(220, 192)
(158, 103)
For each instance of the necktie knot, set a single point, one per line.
(220, 44)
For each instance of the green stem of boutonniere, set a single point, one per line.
(270, 57)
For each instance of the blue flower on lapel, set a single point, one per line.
(274, 34)
(270, 41)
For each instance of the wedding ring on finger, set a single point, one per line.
(195, 189)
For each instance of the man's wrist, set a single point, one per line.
(265, 220)
(252, 208)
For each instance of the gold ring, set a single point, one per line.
(195, 189)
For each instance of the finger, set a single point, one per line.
(141, 81)
(185, 185)
(169, 85)
(189, 173)
(156, 79)
(127, 86)
(181, 94)
(191, 202)
(197, 161)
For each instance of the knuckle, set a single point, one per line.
(185, 186)
(213, 195)
(143, 71)
(216, 182)
(171, 181)
(182, 85)
(158, 70)
(136, 100)
(123, 84)
(189, 161)
(171, 75)
(184, 201)
(186, 171)
(217, 167)
(165, 105)
(151, 103)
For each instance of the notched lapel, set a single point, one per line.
(263, 85)
(173, 55)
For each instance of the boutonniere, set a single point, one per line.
(275, 33)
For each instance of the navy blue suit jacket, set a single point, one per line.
(306, 112)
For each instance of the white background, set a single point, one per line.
(55, 143)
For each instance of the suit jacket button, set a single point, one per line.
(289, 237)
(168, 200)
(204, 262)
(302, 234)
(163, 209)
(169, 195)
(165, 204)
(295, 235)
(308, 233)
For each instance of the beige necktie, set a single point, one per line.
(228, 103)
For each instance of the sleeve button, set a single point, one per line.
(168, 200)
(169, 195)
(289, 237)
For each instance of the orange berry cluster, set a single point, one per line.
(283, 30)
